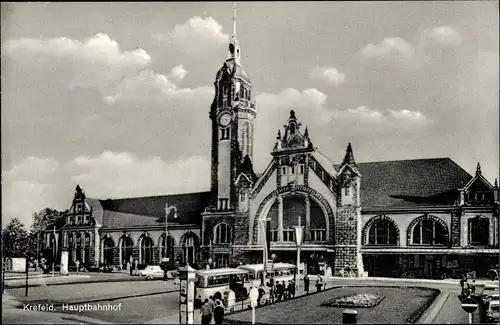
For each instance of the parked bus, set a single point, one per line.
(276, 271)
(211, 282)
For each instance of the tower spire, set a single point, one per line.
(234, 21)
(234, 46)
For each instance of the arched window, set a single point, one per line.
(429, 232)
(169, 252)
(189, 249)
(146, 250)
(126, 249)
(382, 232)
(108, 247)
(222, 233)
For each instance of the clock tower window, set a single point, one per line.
(224, 134)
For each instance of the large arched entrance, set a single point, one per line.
(284, 208)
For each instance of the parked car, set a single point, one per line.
(493, 311)
(490, 290)
(152, 272)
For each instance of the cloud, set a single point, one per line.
(396, 118)
(389, 47)
(444, 35)
(37, 182)
(123, 174)
(330, 75)
(149, 86)
(195, 35)
(99, 48)
(178, 73)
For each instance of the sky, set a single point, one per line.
(115, 96)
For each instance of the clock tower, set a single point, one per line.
(232, 114)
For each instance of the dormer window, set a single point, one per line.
(79, 207)
(283, 170)
(301, 168)
(292, 128)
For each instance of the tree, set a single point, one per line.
(43, 219)
(14, 239)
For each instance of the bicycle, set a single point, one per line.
(408, 275)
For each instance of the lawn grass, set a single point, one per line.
(401, 305)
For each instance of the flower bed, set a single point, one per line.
(360, 300)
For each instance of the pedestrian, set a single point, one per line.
(286, 290)
(211, 303)
(306, 284)
(462, 284)
(206, 313)
(218, 312)
(231, 300)
(77, 266)
(261, 294)
(279, 292)
(319, 284)
(292, 290)
(473, 287)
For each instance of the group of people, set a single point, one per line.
(468, 285)
(283, 291)
(212, 309)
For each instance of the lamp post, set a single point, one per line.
(273, 257)
(299, 231)
(265, 253)
(168, 209)
(54, 253)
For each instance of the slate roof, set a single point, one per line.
(387, 184)
(407, 183)
(149, 211)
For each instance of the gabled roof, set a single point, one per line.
(325, 162)
(410, 182)
(150, 211)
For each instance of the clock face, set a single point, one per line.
(225, 119)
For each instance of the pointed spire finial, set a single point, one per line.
(349, 156)
(234, 20)
(279, 135)
(306, 133)
(478, 168)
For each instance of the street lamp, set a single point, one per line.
(299, 231)
(273, 257)
(265, 252)
(165, 258)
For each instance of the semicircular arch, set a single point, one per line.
(375, 220)
(424, 217)
(269, 200)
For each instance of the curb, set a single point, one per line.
(77, 282)
(431, 312)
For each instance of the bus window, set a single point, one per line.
(218, 280)
(200, 281)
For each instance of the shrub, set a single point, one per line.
(360, 300)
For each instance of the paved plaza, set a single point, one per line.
(156, 302)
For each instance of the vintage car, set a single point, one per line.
(152, 272)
